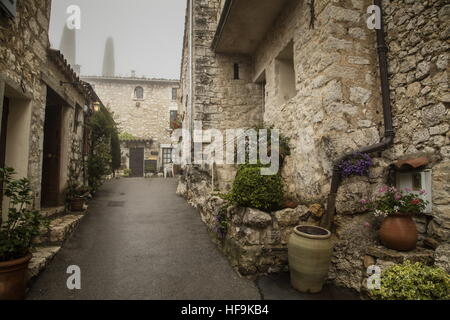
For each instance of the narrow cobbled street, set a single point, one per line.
(140, 240)
(224, 150)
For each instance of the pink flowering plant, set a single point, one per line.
(393, 201)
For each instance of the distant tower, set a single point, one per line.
(68, 45)
(108, 59)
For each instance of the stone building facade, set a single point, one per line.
(44, 106)
(313, 73)
(145, 111)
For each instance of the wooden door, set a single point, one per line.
(137, 162)
(51, 157)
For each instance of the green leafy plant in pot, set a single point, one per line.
(77, 195)
(16, 235)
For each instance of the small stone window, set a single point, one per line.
(236, 71)
(174, 119)
(174, 93)
(76, 119)
(285, 74)
(139, 93)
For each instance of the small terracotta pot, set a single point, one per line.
(77, 204)
(398, 232)
(13, 276)
(290, 204)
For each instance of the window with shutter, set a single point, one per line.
(139, 93)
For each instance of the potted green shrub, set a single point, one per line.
(254, 190)
(398, 230)
(127, 172)
(413, 282)
(16, 235)
(77, 195)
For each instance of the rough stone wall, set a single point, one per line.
(23, 50)
(146, 118)
(418, 34)
(72, 166)
(185, 94)
(255, 241)
(23, 53)
(219, 101)
(24, 56)
(337, 109)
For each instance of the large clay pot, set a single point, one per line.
(13, 278)
(309, 253)
(398, 232)
(77, 204)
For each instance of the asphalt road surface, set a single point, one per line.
(139, 240)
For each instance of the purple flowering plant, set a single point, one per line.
(221, 225)
(357, 164)
(393, 201)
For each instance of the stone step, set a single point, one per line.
(41, 258)
(387, 256)
(60, 229)
(53, 211)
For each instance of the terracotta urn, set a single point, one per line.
(398, 232)
(77, 204)
(13, 276)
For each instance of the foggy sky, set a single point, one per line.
(148, 35)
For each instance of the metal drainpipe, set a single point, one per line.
(389, 133)
(191, 73)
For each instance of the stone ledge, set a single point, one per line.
(442, 256)
(63, 227)
(41, 257)
(53, 211)
(60, 229)
(418, 255)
